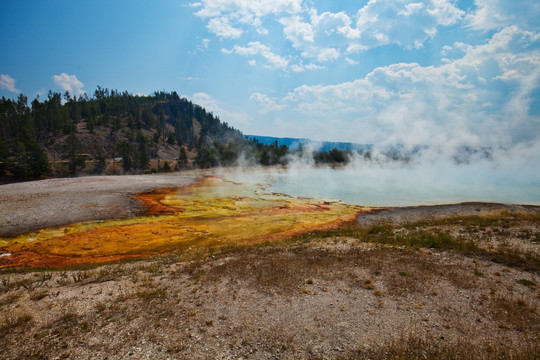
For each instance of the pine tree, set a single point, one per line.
(32, 159)
(182, 158)
(72, 152)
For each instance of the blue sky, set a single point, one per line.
(394, 71)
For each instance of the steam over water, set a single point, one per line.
(389, 187)
(420, 182)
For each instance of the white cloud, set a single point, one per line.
(411, 9)
(221, 27)
(496, 14)
(300, 67)
(297, 31)
(482, 97)
(266, 104)
(236, 119)
(69, 83)
(226, 15)
(321, 37)
(8, 83)
(445, 12)
(406, 23)
(214, 8)
(328, 54)
(325, 37)
(312, 66)
(255, 48)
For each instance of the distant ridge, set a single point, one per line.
(324, 146)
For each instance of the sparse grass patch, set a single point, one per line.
(513, 258)
(100, 307)
(515, 314)
(160, 293)
(430, 234)
(106, 273)
(416, 347)
(79, 276)
(368, 284)
(38, 295)
(526, 282)
(504, 219)
(10, 298)
(13, 319)
(478, 273)
(6, 282)
(283, 268)
(393, 235)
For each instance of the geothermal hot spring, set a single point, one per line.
(242, 206)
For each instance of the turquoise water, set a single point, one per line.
(404, 186)
(394, 189)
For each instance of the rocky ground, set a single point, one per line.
(398, 283)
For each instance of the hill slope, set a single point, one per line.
(87, 133)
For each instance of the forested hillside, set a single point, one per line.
(116, 132)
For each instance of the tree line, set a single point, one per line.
(112, 124)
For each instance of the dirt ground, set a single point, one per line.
(457, 281)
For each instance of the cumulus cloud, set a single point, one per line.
(325, 37)
(320, 37)
(8, 83)
(228, 17)
(69, 83)
(221, 27)
(255, 48)
(482, 92)
(496, 14)
(482, 97)
(411, 9)
(238, 120)
(406, 23)
(265, 103)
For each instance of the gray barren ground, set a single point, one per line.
(35, 205)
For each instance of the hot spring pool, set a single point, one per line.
(398, 185)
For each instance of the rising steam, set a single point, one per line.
(425, 176)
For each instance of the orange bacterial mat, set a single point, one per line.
(210, 213)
